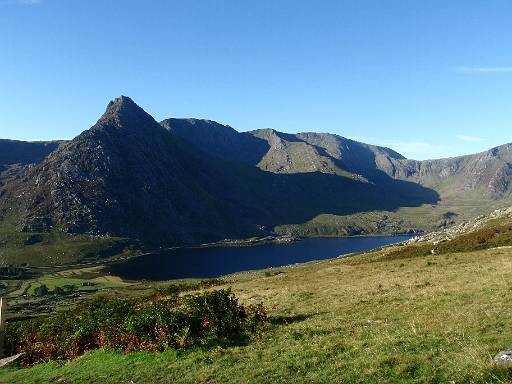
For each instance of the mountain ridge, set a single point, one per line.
(348, 153)
(186, 181)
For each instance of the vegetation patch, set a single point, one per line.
(484, 238)
(210, 318)
(176, 289)
(57, 248)
(14, 273)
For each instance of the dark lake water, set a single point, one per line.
(216, 262)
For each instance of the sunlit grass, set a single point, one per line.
(438, 318)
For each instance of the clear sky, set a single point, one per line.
(427, 78)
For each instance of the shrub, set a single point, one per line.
(42, 290)
(204, 319)
(175, 289)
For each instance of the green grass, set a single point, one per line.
(370, 223)
(23, 303)
(58, 248)
(494, 234)
(366, 319)
(21, 295)
(425, 218)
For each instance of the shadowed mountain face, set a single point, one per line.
(487, 173)
(218, 140)
(190, 181)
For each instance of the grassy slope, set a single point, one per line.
(370, 223)
(424, 218)
(57, 248)
(369, 318)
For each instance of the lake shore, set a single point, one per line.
(227, 243)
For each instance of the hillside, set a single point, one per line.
(487, 174)
(189, 181)
(461, 187)
(387, 316)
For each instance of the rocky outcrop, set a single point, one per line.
(462, 228)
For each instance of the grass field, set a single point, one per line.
(364, 319)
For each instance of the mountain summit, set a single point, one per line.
(122, 112)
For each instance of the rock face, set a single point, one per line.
(218, 140)
(190, 181)
(454, 231)
(487, 173)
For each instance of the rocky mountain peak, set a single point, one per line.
(122, 104)
(123, 112)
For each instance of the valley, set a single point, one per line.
(258, 192)
(398, 314)
(130, 184)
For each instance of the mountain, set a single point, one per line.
(218, 140)
(486, 174)
(127, 176)
(452, 190)
(186, 181)
(483, 175)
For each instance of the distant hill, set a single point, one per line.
(186, 181)
(487, 173)
(484, 175)
(14, 152)
(465, 186)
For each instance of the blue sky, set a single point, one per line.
(427, 78)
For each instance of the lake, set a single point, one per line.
(216, 261)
